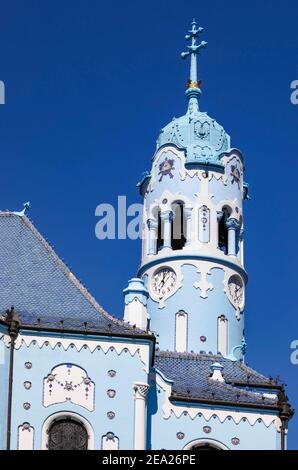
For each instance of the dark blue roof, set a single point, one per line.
(191, 376)
(42, 289)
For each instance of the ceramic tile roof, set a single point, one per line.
(191, 376)
(40, 286)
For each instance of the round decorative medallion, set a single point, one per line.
(203, 339)
(111, 393)
(235, 441)
(27, 385)
(28, 365)
(207, 429)
(110, 436)
(111, 414)
(27, 406)
(112, 373)
(180, 435)
(164, 201)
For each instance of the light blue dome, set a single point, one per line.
(204, 140)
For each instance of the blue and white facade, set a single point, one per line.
(172, 374)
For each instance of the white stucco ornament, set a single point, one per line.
(68, 382)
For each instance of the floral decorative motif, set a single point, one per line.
(111, 393)
(236, 175)
(111, 414)
(202, 130)
(28, 365)
(26, 406)
(68, 386)
(235, 441)
(180, 435)
(27, 385)
(69, 382)
(166, 167)
(207, 429)
(112, 373)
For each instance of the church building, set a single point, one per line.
(171, 374)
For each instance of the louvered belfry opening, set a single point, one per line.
(68, 434)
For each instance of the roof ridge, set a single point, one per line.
(187, 355)
(250, 369)
(66, 271)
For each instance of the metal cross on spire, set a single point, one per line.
(193, 51)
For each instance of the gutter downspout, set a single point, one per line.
(286, 413)
(13, 321)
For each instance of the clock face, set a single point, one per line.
(236, 290)
(163, 282)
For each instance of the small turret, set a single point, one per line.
(135, 299)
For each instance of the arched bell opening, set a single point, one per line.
(178, 234)
(223, 235)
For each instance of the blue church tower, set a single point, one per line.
(172, 374)
(192, 260)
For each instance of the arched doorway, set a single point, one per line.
(205, 444)
(205, 447)
(67, 434)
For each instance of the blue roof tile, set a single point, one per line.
(42, 289)
(190, 374)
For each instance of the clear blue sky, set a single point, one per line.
(89, 85)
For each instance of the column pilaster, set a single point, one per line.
(140, 396)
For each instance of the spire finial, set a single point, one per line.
(193, 87)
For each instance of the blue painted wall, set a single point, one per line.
(97, 364)
(163, 433)
(202, 314)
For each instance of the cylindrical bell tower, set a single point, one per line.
(192, 257)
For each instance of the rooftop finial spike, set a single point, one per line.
(26, 207)
(193, 87)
